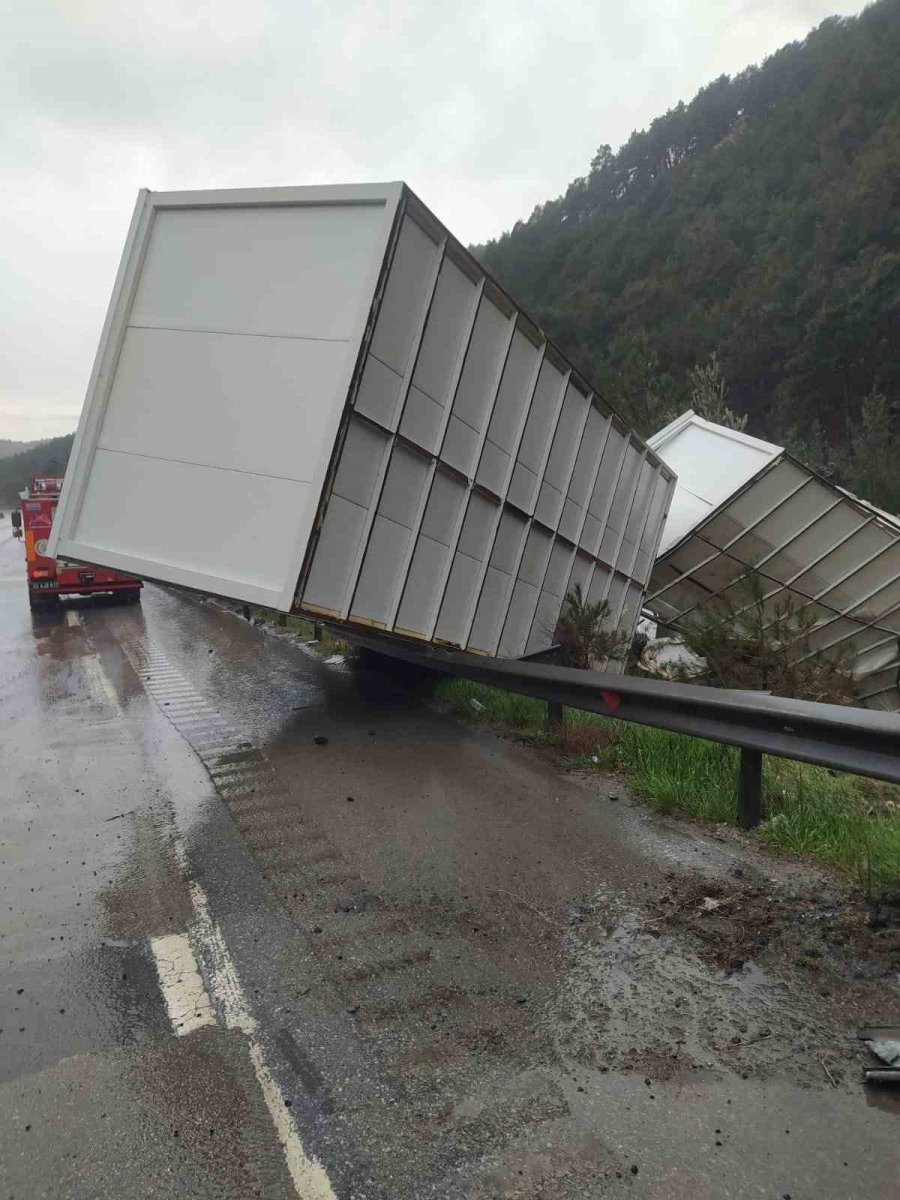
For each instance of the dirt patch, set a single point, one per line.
(568, 1171)
(716, 976)
(831, 938)
(578, 741)
(201, 1093)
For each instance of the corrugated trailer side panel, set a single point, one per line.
(479, 478)
(433, 549)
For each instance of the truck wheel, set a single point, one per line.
(131, 595)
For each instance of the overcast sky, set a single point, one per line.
(485, 107)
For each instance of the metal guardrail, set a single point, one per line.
(858, 740)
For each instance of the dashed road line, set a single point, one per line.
(237, 768)
(97, 680)
(190, 1008)
(308, 1174)
(187, 1003)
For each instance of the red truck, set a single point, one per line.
(50, 578)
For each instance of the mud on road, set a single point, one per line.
(471, 974)
(555, 984)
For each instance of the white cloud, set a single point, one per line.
(486, 107)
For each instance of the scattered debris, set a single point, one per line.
(883, 1041)
(740, 1043)
(882, 1075)
(476, 704)
(879, 1033)
(669, 658)
(522, 900)
(320, 741)
(576, 912)
(335, 660)
(119, 816)
(824, 1066)
(759, 921)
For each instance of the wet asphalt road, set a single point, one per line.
(419, 964)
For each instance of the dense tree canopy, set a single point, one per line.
(760, 223)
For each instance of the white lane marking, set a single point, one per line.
(73, 617)
(188, 1005)
(224, 981)
(97, 680)
(310, 1179)
(309, 1176)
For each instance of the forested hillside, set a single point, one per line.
(9, 447)
(761, 223)
(46, 458)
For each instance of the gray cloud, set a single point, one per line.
(486, 107)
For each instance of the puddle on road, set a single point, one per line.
(636, 1000)
(149, 895)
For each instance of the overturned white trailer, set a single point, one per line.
(742, 504)
(315, 399)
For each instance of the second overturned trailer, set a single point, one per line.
(315, 399)
(746, 508)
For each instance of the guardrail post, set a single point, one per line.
(555, 716)
(750, 789)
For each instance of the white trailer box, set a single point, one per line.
(315, 399)
(744, 506)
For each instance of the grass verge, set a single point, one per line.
(841, 820)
